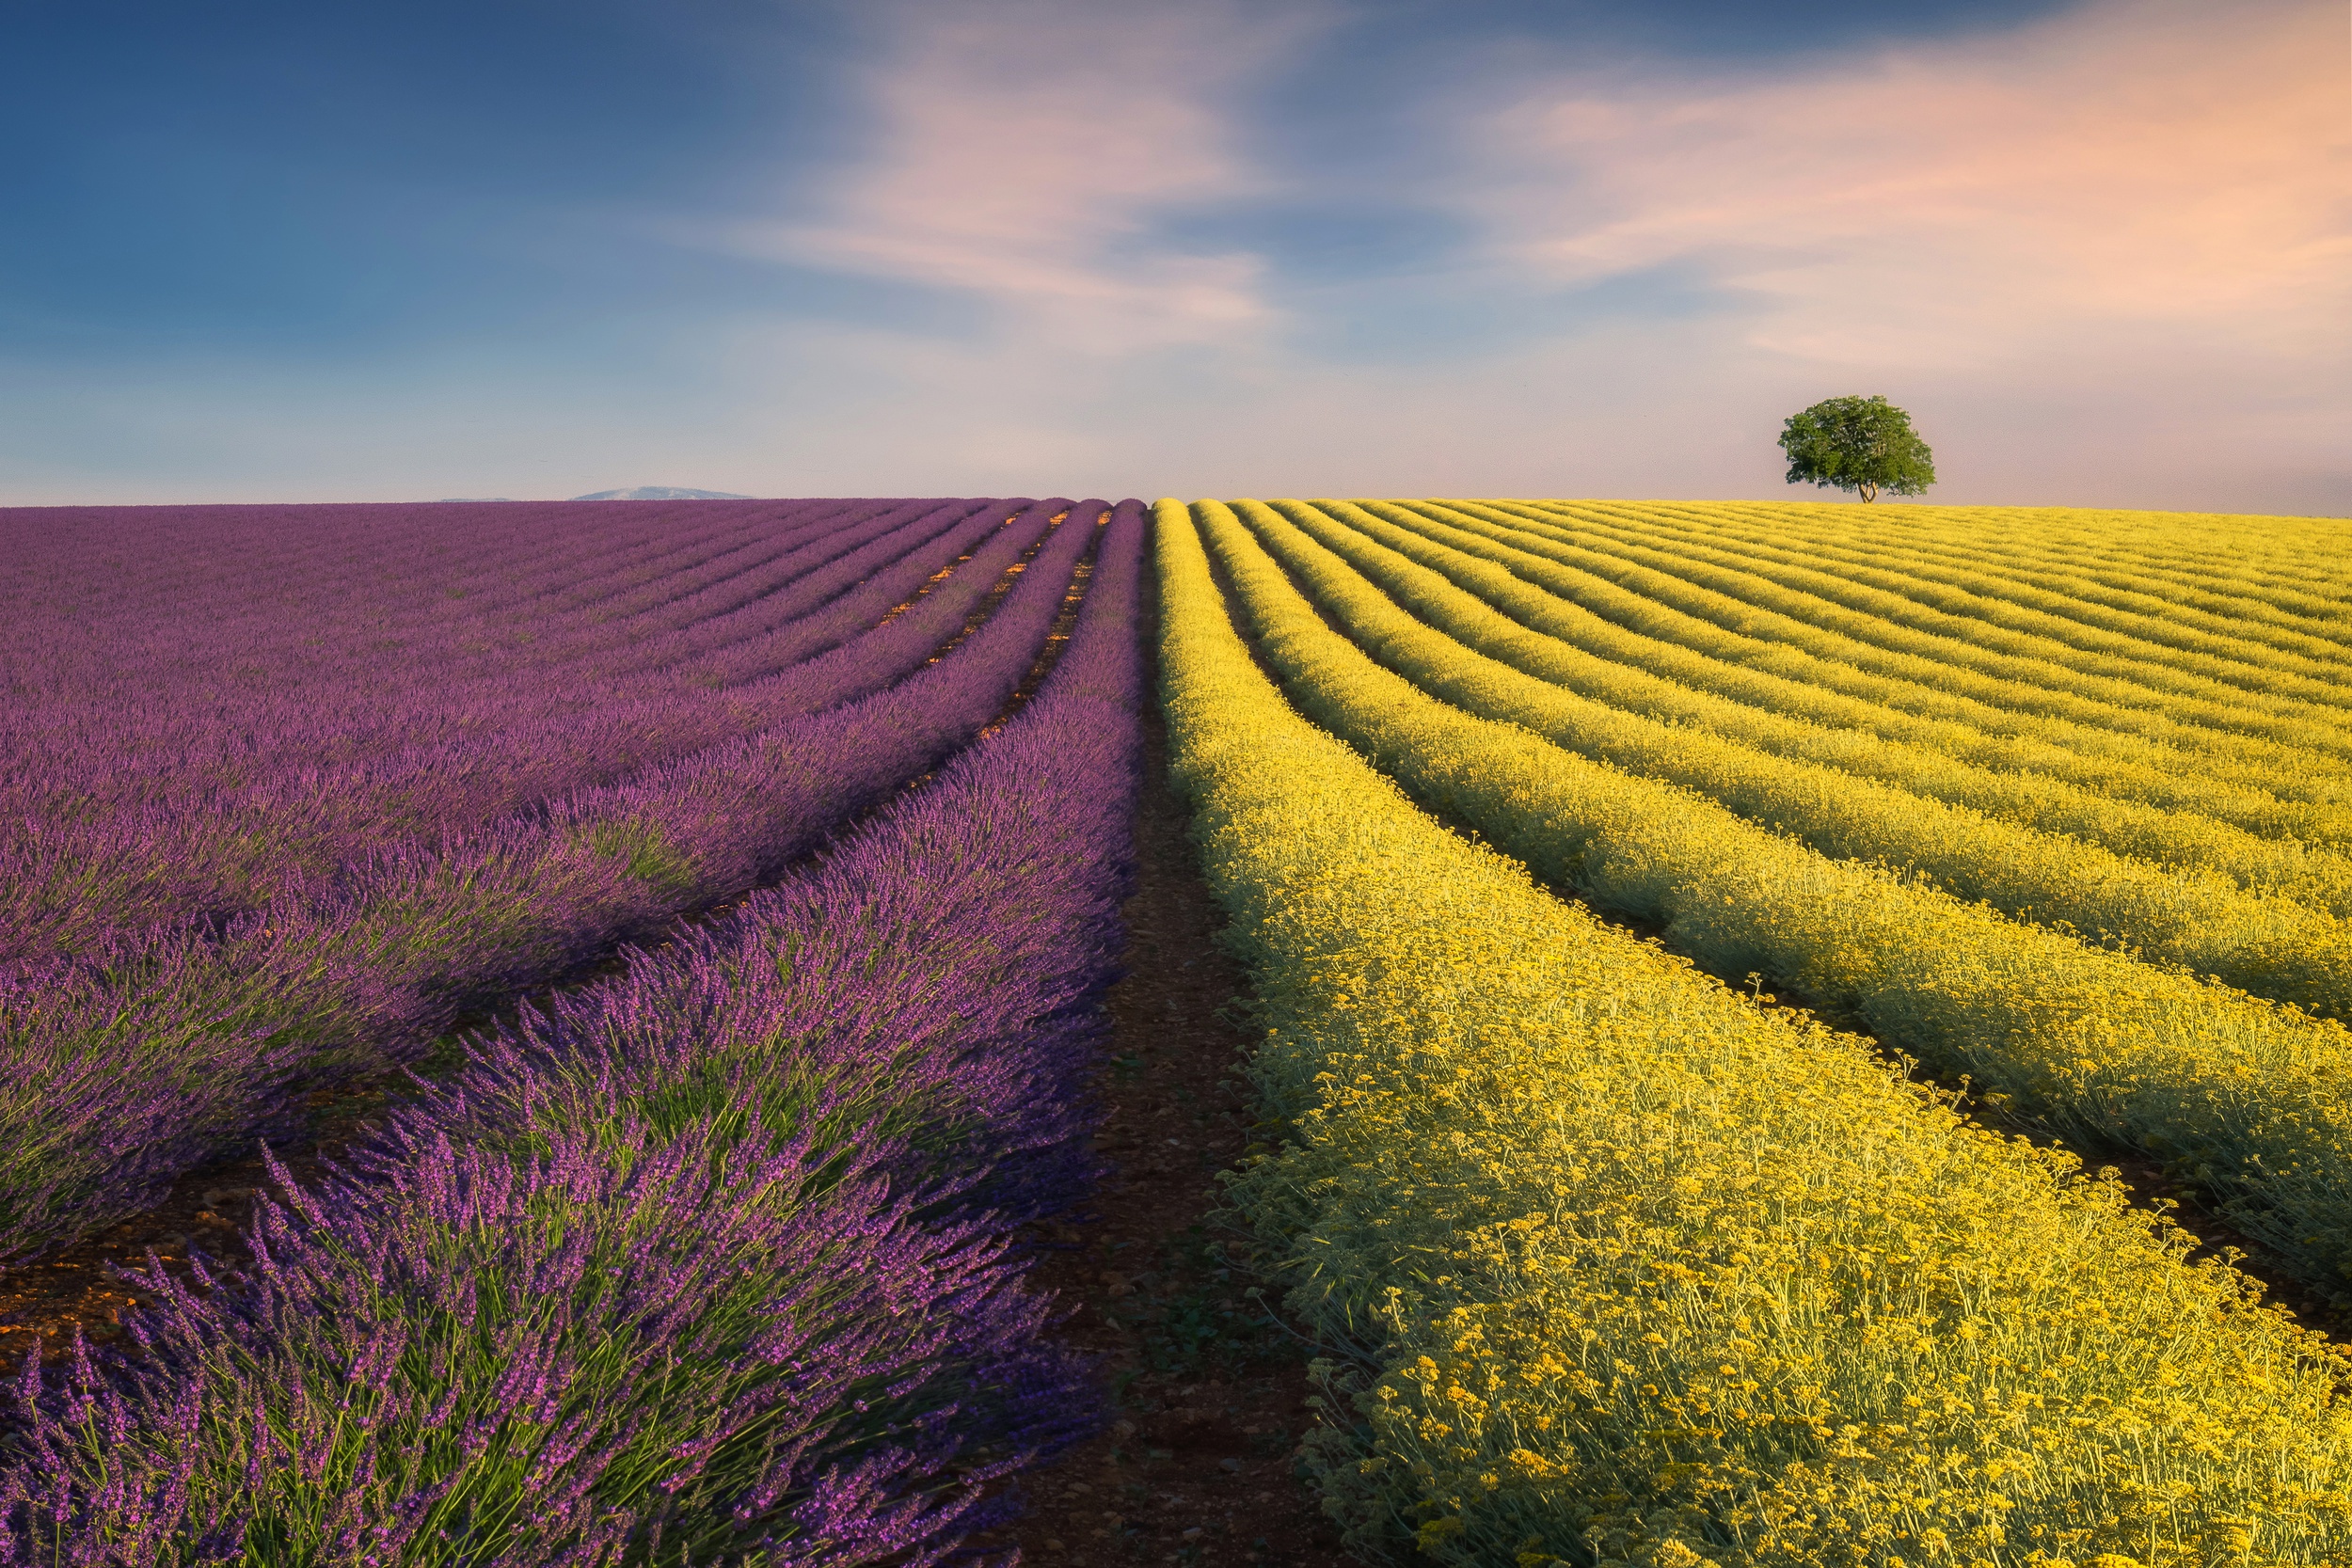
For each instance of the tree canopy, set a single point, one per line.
(1860, 444)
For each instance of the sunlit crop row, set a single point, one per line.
(1618, 1265)
(2214, 563)
(1700, 607)
(2251, 1098)
(1759, 666)
(1916, 589)
(1941, 553)
(2277, 705)
(2268, 560)
(1481, 603)
(2184, 913)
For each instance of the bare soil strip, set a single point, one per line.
(1209, 1393)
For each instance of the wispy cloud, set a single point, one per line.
(2123, 169)
(1022, 151)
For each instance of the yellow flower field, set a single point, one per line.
(1616, 1264)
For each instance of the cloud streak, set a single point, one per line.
(2123, 169)
(1021, 149)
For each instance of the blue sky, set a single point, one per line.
(270, 253)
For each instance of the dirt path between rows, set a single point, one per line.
(1209, 1395)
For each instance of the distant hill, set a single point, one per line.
(661, 493)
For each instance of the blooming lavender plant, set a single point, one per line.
(618, 1342)
(183, 1048)
(711, 1260)
(107, 846)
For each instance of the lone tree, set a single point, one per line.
(1864, 444)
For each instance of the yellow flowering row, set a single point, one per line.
(2281, 704)
(1922, 589)
(2136, 755)
(1697, 608)
(2287, 568)
(2207, 546)
(1617, 1264)
(2249, 1099)
(1620, 626)
(2218, 556)
(2232, 577)
(1940, 547)
(1700, 736)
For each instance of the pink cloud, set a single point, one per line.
(1021, 147)
(2124, 169)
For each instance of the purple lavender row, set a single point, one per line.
(669, 697)
(749, 609)
(222, 850)
(661, 720)
(741, 659)
(114, 1081)
(248, 675)
(473, 688)
(331, 584)
(134, 1005)
(283, 781)
(712, 1261)
(604, 624)
(96, 561)
(833, 676)
(729, 980)
(231, 697)
(156, 697)
(132, 562)
(158, 860)
(78, 887)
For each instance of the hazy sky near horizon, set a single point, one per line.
(2103, 251)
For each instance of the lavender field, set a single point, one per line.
(797, 831)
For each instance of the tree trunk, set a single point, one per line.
(1870, 493)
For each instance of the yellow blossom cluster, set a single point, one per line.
(2202, 922)
(2175, 821)
(2249, 1099)
(1620, 1266)
(1738, 619)
(2271, 703)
